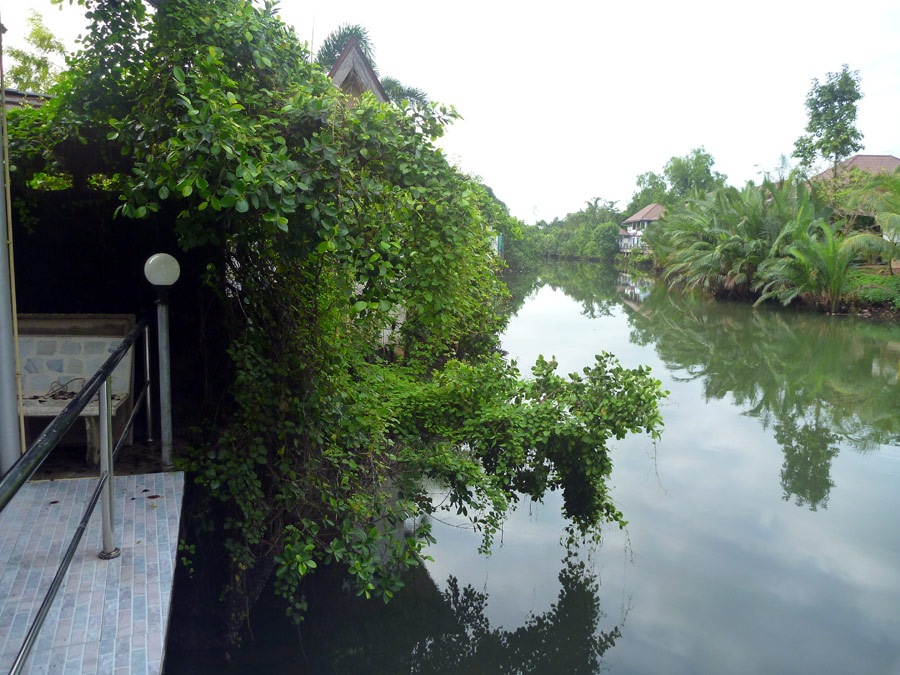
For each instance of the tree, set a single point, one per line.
(691, 174)
(718, 241)
(879, 197)
(816, 265)
(37, 69)
(682, 177)
(334, 44)
(831, 126)
(317, 222)
(652, 189)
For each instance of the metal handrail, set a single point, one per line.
(40, 449)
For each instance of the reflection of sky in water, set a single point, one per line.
(726, 576)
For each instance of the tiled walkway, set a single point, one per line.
(109, 616)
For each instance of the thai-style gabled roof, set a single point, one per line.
(353, 73)
(866, 163)
(651, 212)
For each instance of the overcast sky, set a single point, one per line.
(569, 100)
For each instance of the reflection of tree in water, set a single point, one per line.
(565, 639)
(806, 471)
(785, 368)
(592, 285)
(428, 631)
(521, 284)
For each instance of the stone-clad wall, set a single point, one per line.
(66, 362)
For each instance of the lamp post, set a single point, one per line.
(162, 270)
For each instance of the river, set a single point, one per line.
(762, 535)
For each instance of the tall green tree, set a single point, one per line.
(691, 174)
(334, 44)
(682, 177)
(651, 189)
(831, 131)
(36, 69)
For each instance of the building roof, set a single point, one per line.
(865, 163)
(353, 73)
(651, 212)
(16, 99)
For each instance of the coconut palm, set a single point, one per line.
(816, 265)
(718, 241)
(880, 197)
(397, 91)
(334, 44)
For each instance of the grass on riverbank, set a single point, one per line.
(874, 288)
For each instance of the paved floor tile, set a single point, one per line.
(101, 618)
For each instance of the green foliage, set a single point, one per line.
(815, 265)
(879, 197)
(35, 69)
(335, 42)
(717, 242)
(874, 290)
(682, 178)
(768, 242)
(398, 92)
(589, 234)
(524, 250)
(356, 283)
(831, 127)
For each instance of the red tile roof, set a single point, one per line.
(866, 163)
(651, 212)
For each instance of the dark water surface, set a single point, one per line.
(764, 528)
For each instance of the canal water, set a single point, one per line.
(763, 528)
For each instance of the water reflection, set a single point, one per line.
(431, 631)
(592, 286)
(565, 639)
(815, 381)
(763, 524)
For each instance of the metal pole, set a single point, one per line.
(148, 402)
(10, 438)
(110, 550)
(165, 382)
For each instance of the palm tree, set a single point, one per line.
(334, 44)
(718, 241)
(397, 91)
(816, 265)
(880, 197)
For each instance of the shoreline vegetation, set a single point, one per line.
(824, 244)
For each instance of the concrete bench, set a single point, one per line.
(58, 353)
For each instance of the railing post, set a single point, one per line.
(110, 550)
(148, 401)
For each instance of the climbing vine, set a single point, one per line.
(356, 282)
